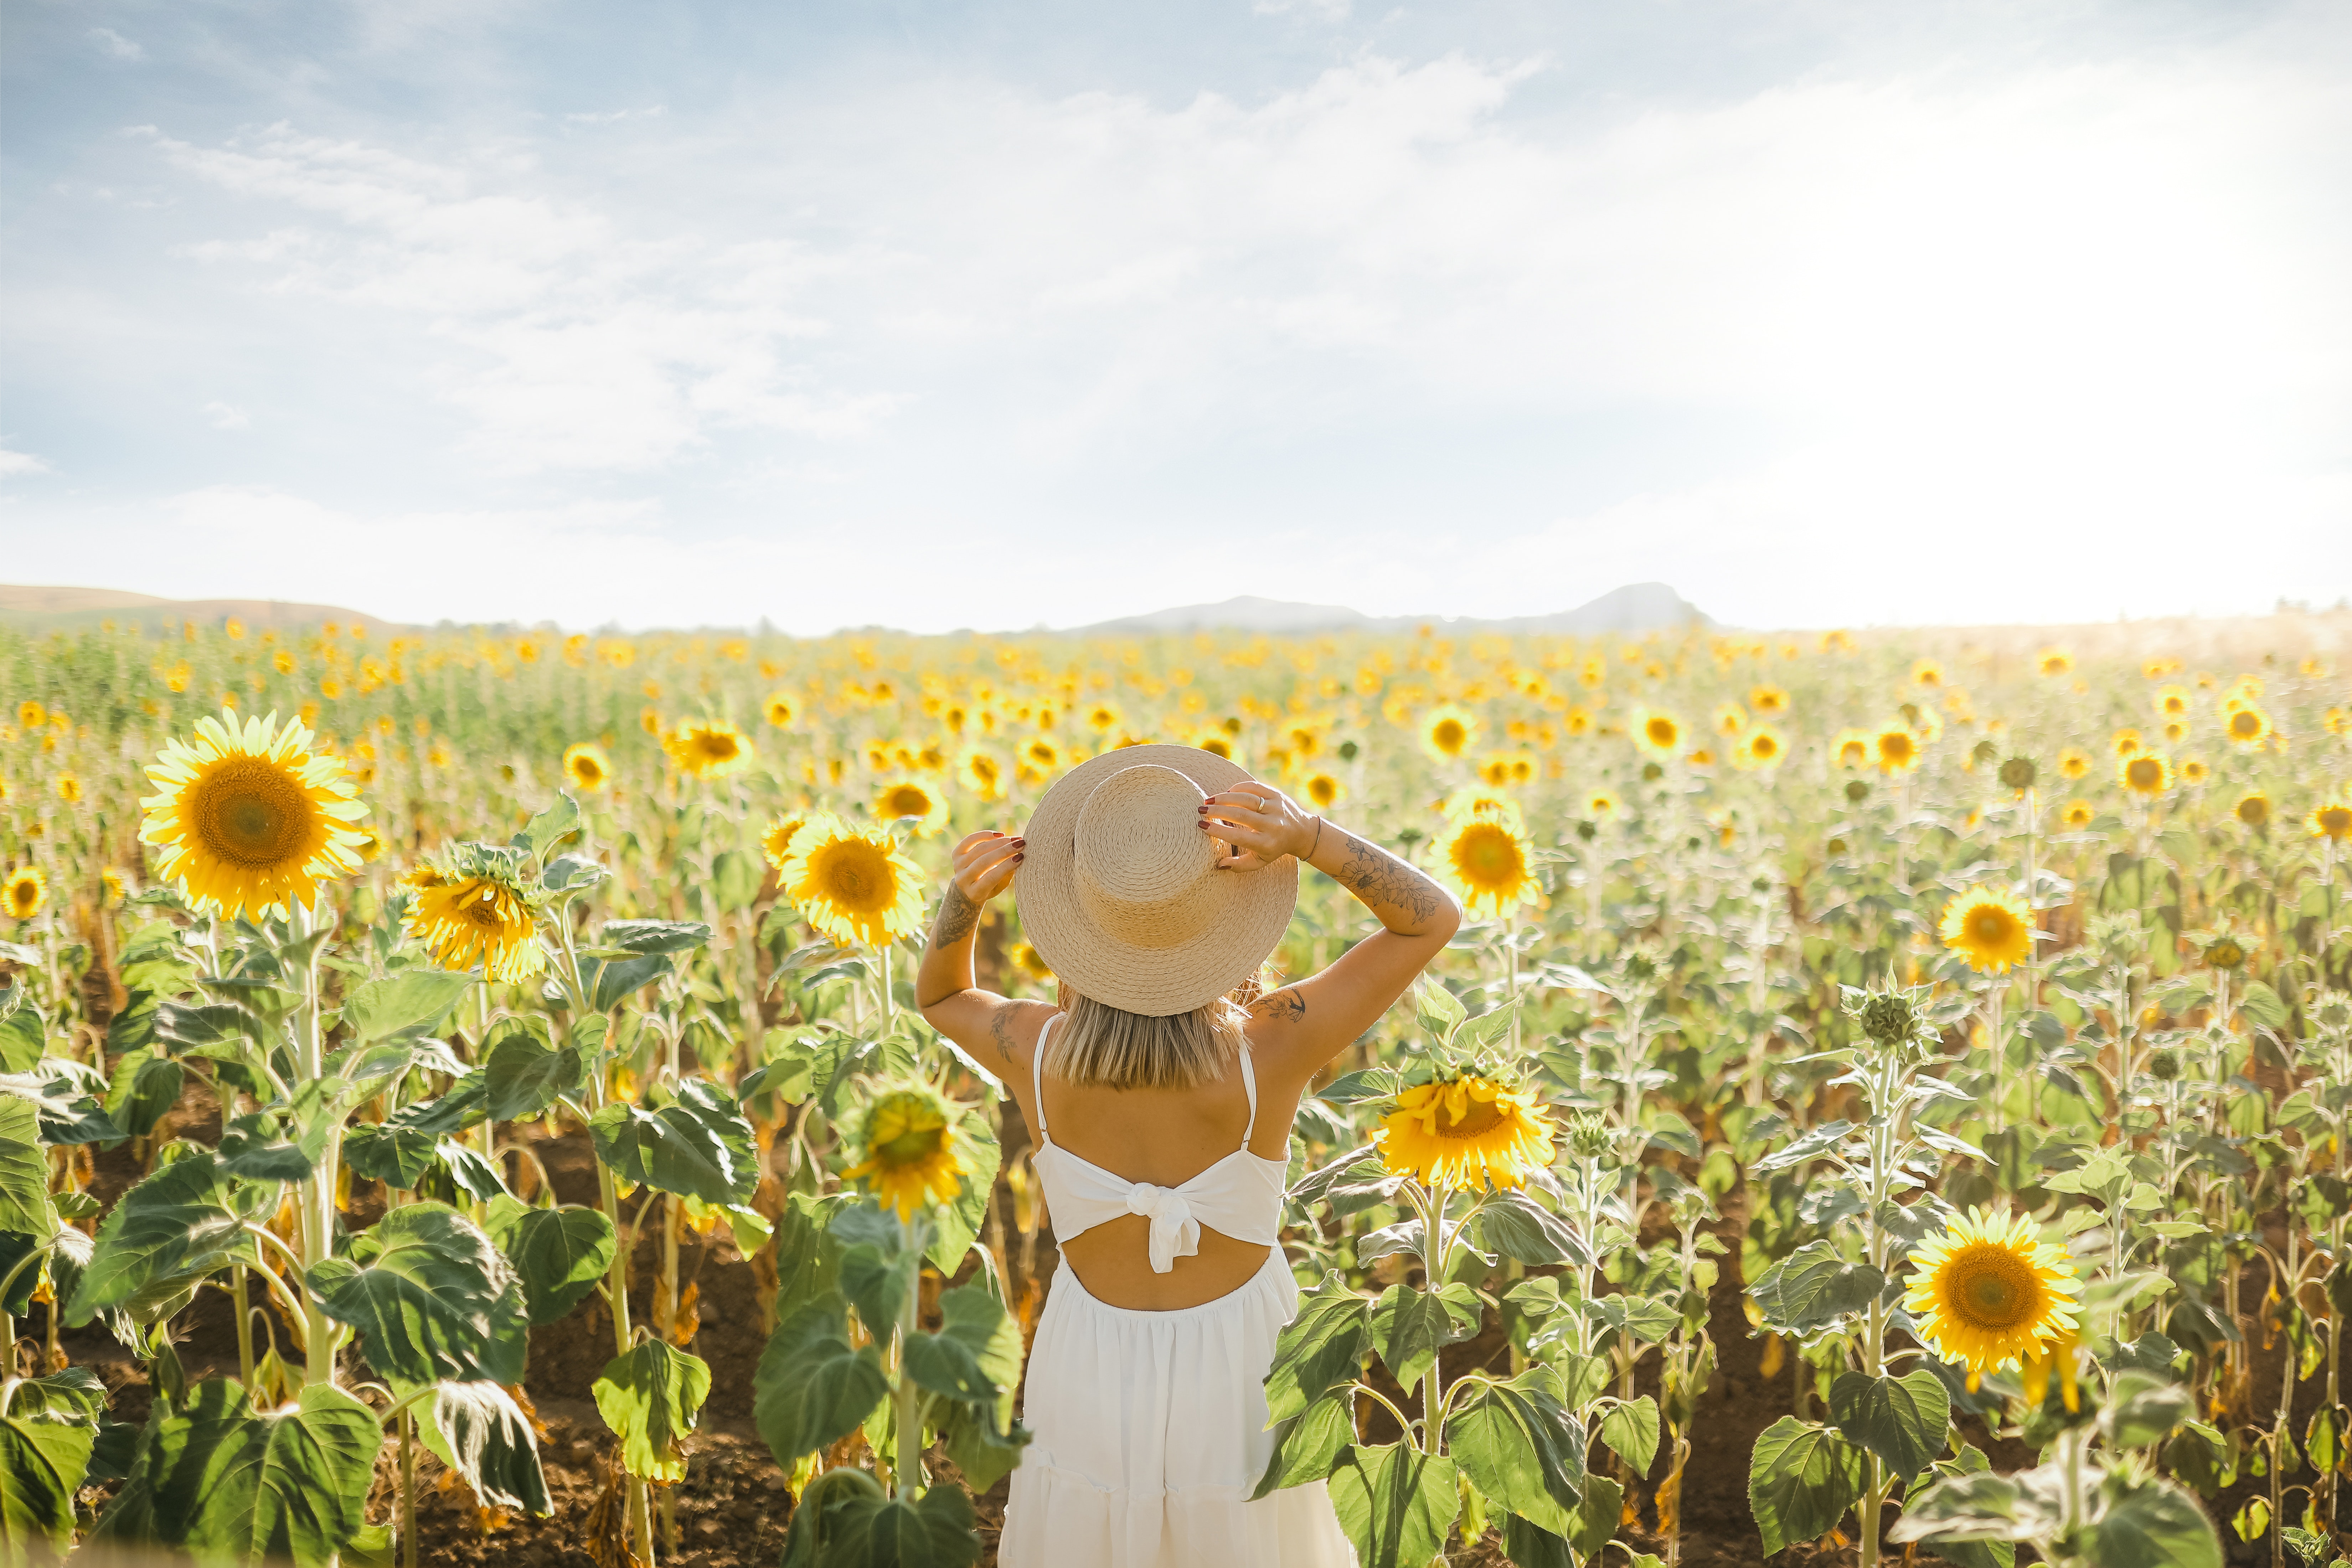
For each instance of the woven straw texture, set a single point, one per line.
(1121, 894)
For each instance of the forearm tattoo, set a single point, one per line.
(1379, 878)
(958, 915)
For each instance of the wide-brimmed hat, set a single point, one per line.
(1119, 893)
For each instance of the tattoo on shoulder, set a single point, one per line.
(1000, 1029)
(958, 915)
(1286, 1003)
(1378, 877)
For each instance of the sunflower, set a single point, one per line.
(907, 798)
(1464, 1131)
(1895, 750)
(31, 715)
(709, 749)
(1658, 734)
(776, 844)
(1030, 962)
(2246, 726)
(1486, 860)
(587, 767)
(853, 884)
(69, 789)
(2077, 814)
(1730, 719)
(1768, 700)
(981, 774)
(1040, 760)
(2054, 661)
(1477, 801)
(26, 891)
(1102, 718)
(1760, 748)
(247, 818)
(1600, 804)
(1216, 742)
(2194, 770)
(2332, 821)
(2253, 809)
(2128, 743)
(482, 918)
(1447, 731)
(1851, 748)
(2074, 765)
(1989, 1291)
(1992, 930)
(908, 1144)
(2145, 773)
(1323, 790)
(1928, 672)
(2172, 702)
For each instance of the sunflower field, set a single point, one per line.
(460, 1093)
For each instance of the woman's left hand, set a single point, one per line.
(1257, 825)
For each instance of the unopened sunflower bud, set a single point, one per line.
(2225, 953)
(2164, 1065)
(1888, 1018)
(1588, 1135)
(1857, 791)
(2018, 772)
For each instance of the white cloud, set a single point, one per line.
(223, 416)
(14, 463)
(115, 45)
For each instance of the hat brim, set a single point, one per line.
(1157, 982)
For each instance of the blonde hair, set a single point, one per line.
(1098, 1046)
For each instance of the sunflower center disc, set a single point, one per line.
(250, 812)
(1993, 1292)
(910, 1148)
(1990, 925)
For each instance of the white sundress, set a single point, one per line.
(1150, 1427)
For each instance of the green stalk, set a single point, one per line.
(316, 1193)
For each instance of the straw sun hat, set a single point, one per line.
(1121, 894)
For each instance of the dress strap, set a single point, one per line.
(1249, 1082)
(1037, 1080)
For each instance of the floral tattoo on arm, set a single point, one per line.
(1378, 878)
(958, 915)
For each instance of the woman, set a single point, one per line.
(1154, 881)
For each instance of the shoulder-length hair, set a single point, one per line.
(1100, 1045)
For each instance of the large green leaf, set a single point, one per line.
(42, 1463)
(1307, 1445)
(523, 1071)
(1903, 1420)
(652, 1397)
(1323, 1344)
(25, 1205)
(1395, 1504)
(1518, 1227)
(2155, 1524)
(956, 1223)
(1801, 1481)
(176, 1224)
(808, 1259)
(559, 1253)
(1813, 1287)
(860, 1529)
(1530, 1546)
(976, 1354)
(1631, 1430)
(813, 1386)
(697, 1146)
(66, 1096)
(1522, 1449)
(229, 1485)
(144, 1086)
(23, 1034)
(549, 828)
(983, 1452)
(383, 1151)
(1407, 1326)
(412, 1001)
(1597, 1516)
(432, 1298)
(478, 1430)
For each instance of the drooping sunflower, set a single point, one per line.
(1447, 731)
(1468, 1130)
(2332, 820)
(587, 767)
(2253, 809)
(1760, 748)
(1489, 863)
(2247, 727)
(248, 818)
(776, 844)
(1851, 748)
(28, 889)
(709, 749)
(1895, 749)
(1991, 929)
(1657, 732)
(2078, 814)
(907, 1148)
(1989, 1291)
(908, 798)
(852, 884)
(478, 914)
(2147, 773)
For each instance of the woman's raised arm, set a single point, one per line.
(982, 1022)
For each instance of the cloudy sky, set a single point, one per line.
(1035, 311)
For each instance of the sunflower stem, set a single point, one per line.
(316, 1193)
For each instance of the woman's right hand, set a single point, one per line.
(984, 864)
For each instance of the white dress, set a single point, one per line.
(1150, 1427)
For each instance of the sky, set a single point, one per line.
(1037, 313)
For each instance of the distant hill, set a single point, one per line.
(1633, 609)
(68, 609)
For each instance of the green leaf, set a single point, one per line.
(1529, 1545)
(984, 1453)
(698, 1146)
(1631, 1430)
(1323, 1344)
(812, 1387)
(653, 936)
(432, 1298)
(877, 1284)
(652, 1396)
(2156, 1524)
(1438, 1010)
(176, 1224)
(934, 1531)
(1812, 1288)
(1395, 1504)
(478, 1430)
(145, 1085)
(559, 1253)
(414, 1000)
(385, 1151)
(1407, 1326)
(1903, 1420)
(1518, 1227)
(1522, 1449)
(808, 1259)
(227, 1485)
(550, 827)
(2262, 1006)
(42, 1463)
(65, 1095)
(523, 1072)
(1801, 1478)
(957, 1223)
(976, 1354)
(2142, 1409)
(1307, 1445)
(24, 1036)
(24, 1171)
(1597, 1516)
